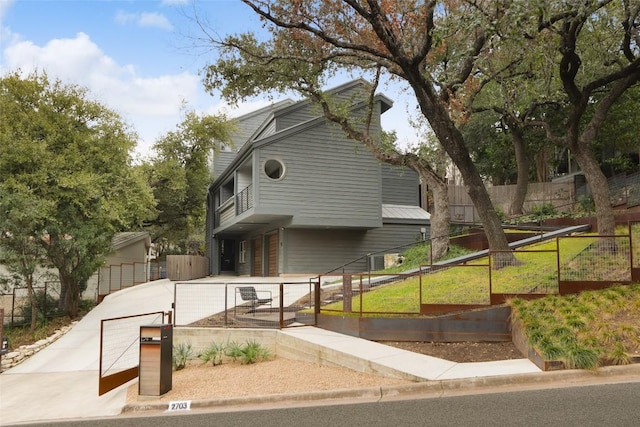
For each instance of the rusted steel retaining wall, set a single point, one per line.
(490, 324)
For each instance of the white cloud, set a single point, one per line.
(154, 19)
(124, 18)
(144, 19)
(151, 104)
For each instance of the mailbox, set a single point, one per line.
(156, 350)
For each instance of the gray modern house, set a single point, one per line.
(296, 196)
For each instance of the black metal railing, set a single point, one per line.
(244, 200)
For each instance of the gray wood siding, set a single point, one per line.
(294, 116)
(249, 123)
(269, 129)
(221, 161)
(290, 116)
(329, 180)
(400, 185)
(319, 251)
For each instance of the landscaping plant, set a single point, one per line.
(586, 330)
(182, 353)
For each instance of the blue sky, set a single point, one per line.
(135, 56)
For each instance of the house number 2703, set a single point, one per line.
(181, 405)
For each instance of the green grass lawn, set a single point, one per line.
(535, 272)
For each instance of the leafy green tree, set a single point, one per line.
(20, 252)
(68, 158)
(584, 56)
(617, 145)
(180, 176)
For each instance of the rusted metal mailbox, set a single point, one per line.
(156, 350)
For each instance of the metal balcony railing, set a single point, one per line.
(244, 200)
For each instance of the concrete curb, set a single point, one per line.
(424, 389)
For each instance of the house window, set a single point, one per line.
(274, 169)
(243, 252)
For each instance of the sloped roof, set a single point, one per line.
(125, 239)
(404, 212)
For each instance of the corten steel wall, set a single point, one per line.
(120, 348)
(490, 324)
(187, 267)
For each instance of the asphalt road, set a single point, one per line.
(595, 405)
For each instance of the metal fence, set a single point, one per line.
(17, 305)
(113, 278)
(576, 263)
(348, 293)
(120, 349)
(597, 259)
(250, 304)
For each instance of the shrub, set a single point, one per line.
(544, 210)
(182, 353)
(233, 350)
(213, 354)
(253, 352)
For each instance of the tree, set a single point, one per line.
(431, 46)
(20, 252)
(180, 176)
(617, 145)
(590, 55)
(69, 158)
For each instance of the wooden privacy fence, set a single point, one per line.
(187, 267)
(561, 195)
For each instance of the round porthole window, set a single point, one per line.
(274, 169)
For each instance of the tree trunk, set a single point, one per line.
(542, 163)
(477, 192)
(69, 296)
(453, 143)
(599, 189)
(523, 173)
(440, 219)
(33, 302)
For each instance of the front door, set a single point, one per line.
(272, 254)
(257, 256)
(227, 255)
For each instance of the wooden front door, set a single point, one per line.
(272, 255)
(257, 256)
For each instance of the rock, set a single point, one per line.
(11, 355)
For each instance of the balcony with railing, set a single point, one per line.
(234, 206)
(244, 200)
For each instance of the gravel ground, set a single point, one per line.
(275, 376)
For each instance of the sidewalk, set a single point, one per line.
(61, 381)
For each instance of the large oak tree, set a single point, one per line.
(69, 158)
(179, 174)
